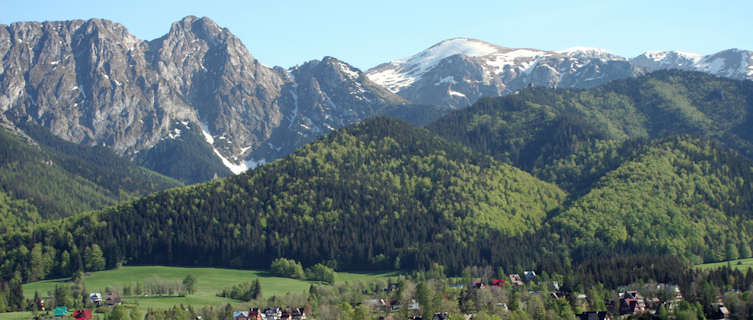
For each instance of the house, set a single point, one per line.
(720, 311)
(529, 275)
(96, 298)
(60, 312)
(112, 299)
(440, 316)
(631, 302)
(300, 313)
(254, 314)
(82, 314)
(240, 315)
(478, 284)
(392, 286)
(272, 313)
(498, 283)
(515, 280)
(594, 315)
(377, 305)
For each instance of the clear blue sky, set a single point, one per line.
(366, 33)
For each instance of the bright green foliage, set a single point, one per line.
(63, 295)
(95, 261)
(320, 272)
(55, 178)
(16, 213)
(119, 312)
(287, 268)
(541, 130)
(382, 188)
(188, 157)
(189, 282)
(245, 291)
(683, 196)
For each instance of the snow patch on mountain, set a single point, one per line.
(404, 72)
(347, 70)
(587, 52)
(392, 79)
(428, 58)
(522, 58)
(234, 168)
(448, 79)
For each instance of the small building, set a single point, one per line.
(300, 313)
(594, 315)
(240, 315)
(82, 314)
(720, 311)
(528, 276)
(255, 314)
(632, 302)
(112, 299)
(498, 282)
(440, 316)
(274, 313)
(515, 280)
(478, 284)
(60, 312)
(95, 298)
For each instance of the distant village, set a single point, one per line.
(624, 305)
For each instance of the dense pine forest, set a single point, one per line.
(53, 178)
(545, 179)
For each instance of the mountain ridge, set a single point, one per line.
(493, 70)
(91, 82)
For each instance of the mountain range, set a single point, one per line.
(541, 179)
(459, 71)
(194, 104)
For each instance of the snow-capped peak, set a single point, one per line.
(403, 72)
(587, 52)
(428, 58)
(673, 55)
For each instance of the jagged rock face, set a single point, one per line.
(87, 81)
(731, 63)
(322, 96)
(93, 82)
(458, 71)
(234, 95)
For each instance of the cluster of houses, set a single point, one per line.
(271, 314)
(95, 298)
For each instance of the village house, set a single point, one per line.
(240, 315)
(515, 280)
(720, 311)
(528, 276)
(82, 314)
(632, 302)
(272, 313)
(594, 315)
(254, 314)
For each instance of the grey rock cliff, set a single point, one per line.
(93, 82)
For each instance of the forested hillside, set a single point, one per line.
(380, 194)
(571, 137)
(57, 179)
(386, 194)
(681, 196)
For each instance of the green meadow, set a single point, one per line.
(742, 264)
(209, 281)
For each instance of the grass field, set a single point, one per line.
(742, 264)
(209, 281)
